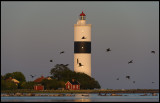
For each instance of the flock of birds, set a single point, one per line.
(80, 64)
(32, 76)
(131, 61)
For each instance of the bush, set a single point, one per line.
(63, 73)
(8, 85)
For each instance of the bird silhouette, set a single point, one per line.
(153, 52)
(83, 37)
(107, 50)
(130, 61)
(77, 61)
(152, 82)
(128, 77)
(51, 60)
(117, 78)
(32, 76)
(61, 52)
(80, 65)
(133, 81)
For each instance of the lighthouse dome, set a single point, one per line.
(82, 14)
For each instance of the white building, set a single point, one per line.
(82, 45)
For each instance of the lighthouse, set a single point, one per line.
(82, 46)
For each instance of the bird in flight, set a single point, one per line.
(107, 50)
(32, 76)
(80, 65)
(130, 61)
(61, 52)
(51, 60)
(117, 78)
(133, 81)
(83, 37)
(128, 77)
(152, 82)
(153, 52)
(77, 61)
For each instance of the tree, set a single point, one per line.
(63, 73)
(8, 75)
(19, 76)
(50, 84)
(16, 75)
(60, 71)
(28, 85)
(61, 84)
(8, 85)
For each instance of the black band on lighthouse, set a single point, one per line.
(82, 47)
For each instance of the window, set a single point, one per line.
(82, 47)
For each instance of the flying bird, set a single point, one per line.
(128, 77)
(117, 78)
(83, 37)
(77, 61)
(107, 50)
(130, 61)
(61, 52)
(153, 52)
(152, 82)
(80, 65)
(32, 76)
(51, 60)
(133, 81)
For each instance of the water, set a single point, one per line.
(133, 97)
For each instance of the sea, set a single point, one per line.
(93, 97)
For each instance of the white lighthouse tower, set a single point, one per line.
(82, 45)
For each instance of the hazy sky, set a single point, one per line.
(32, 33)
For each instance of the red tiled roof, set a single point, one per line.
(39, 79)
(82, 14)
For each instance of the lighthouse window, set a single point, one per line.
(82, 47)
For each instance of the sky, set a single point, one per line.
(33, 32)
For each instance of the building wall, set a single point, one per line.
(68, 85)
(72, 87)
(38, 87)
(84, 59)
(75, 87)
(82, 30)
